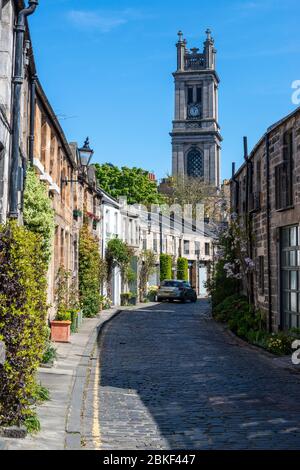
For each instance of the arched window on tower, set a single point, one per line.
(195, 167)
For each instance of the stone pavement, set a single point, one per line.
(60, 381)
(168, 377)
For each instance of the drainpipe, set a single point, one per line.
(18, 80)
(248, 218)
(267, 145)
(32, 118)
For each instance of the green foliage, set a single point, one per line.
(249, 324)
(32, 423)
(89, 273)
(38, 212)
(165, 267)
(118, 254)
(182, 269)
(49, 354)
(62, 293)
(23, 311)
(148, 259)
(126, 297)
(280, 344)
(133, 183)
(41, 394)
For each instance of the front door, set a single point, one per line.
(202, 280)
(290, 277)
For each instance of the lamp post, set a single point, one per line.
(85, 155)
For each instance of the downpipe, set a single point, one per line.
(18, 80)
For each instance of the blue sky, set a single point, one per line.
(107, 66)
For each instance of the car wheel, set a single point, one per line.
(194, 300)
(183, 300)
(171, 300)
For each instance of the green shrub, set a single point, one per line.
(49, 354)
(249, 324)
(32, 423)
(165, 267)
(89, 273)
(23, 311)
(182, 269)
(38, 213)
(280, 343)
(118, 255)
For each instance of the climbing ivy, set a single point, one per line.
(38, 212)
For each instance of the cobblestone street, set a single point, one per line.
(171, 379)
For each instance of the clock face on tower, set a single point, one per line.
(194, 111)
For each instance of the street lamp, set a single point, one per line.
(85, 154)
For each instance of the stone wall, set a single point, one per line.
(270, 296)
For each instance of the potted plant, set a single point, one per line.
(61, 326)
(125, 297)
(152, 293)
(132, 299)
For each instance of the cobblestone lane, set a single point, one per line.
(170, 379)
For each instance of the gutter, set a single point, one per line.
(18, 80)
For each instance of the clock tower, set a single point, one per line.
(196, 139)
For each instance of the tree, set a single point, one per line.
(148, 259)
(193, 191)
(89, 273)
(183, 269)
(165, 266)
(118, 254)
(132, 183)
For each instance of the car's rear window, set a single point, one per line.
(171, 284)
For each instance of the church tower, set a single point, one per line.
(196, 139)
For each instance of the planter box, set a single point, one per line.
(132, 301)
(60, 331)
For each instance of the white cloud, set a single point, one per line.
(103, 21)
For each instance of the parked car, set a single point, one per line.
(176, 290)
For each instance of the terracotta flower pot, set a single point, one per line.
(60, 331)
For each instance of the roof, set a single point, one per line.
(268, 131)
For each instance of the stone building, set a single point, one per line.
(42, 144)
(266, 189)
(196, 139)
(9, 10)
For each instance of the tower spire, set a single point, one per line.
(180, 51)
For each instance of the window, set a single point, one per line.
(290, 277)
(197, 248)
(107, 225)
(195, 164)
(116, 223)
(199, 95)
(172, 221)
(207, 249)
(190, 95)
(284, 175)
(155, 243)
(186, 248)
(261, 274)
